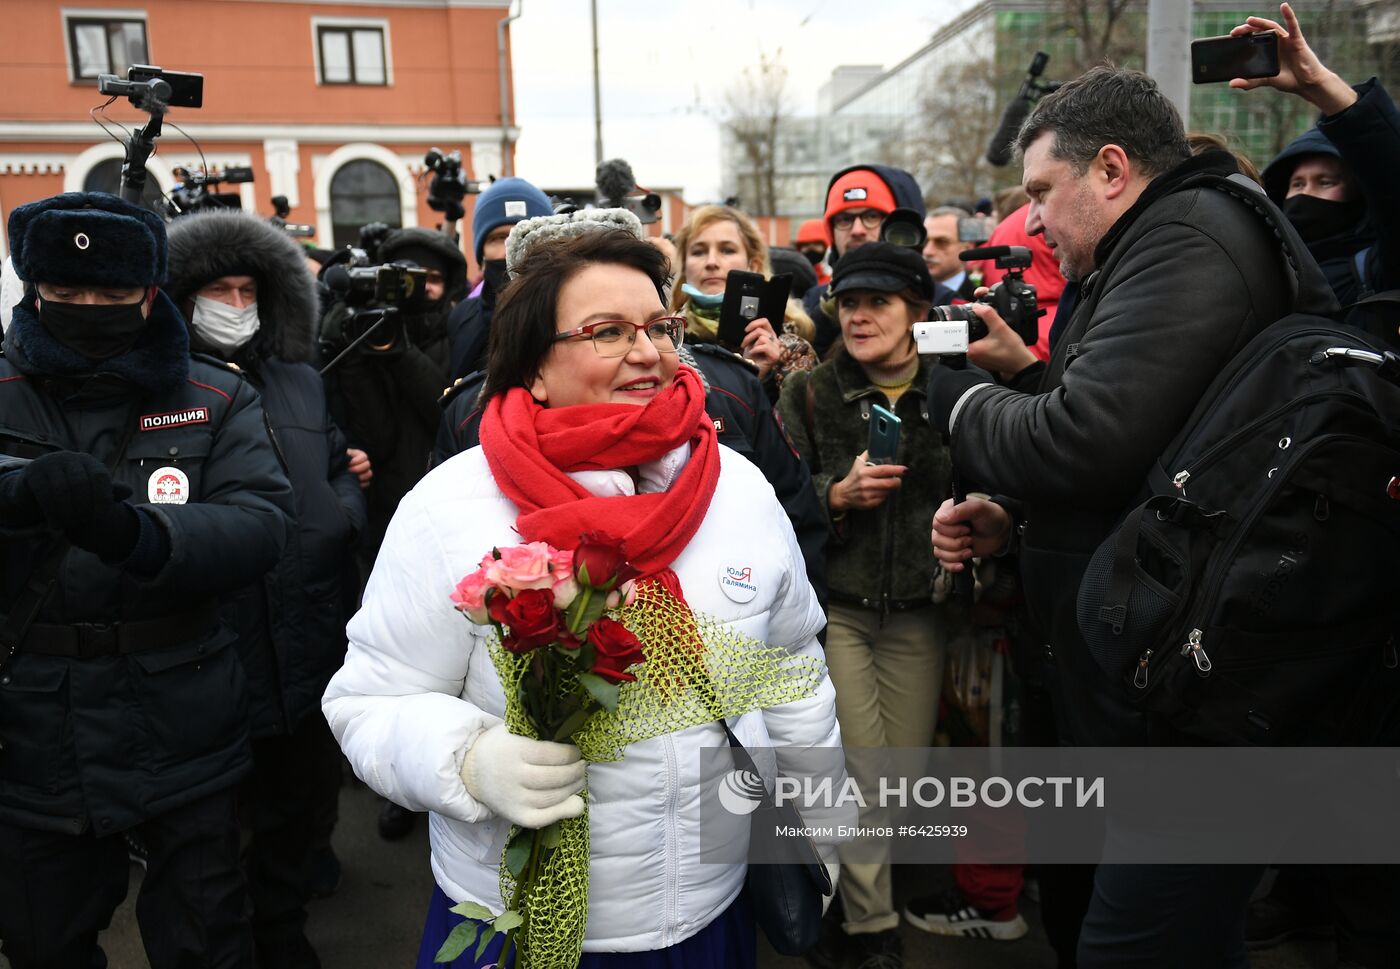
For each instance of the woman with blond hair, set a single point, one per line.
(716, 240)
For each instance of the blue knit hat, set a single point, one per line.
(87, 239)
(506, 201)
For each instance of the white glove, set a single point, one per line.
(532, 783)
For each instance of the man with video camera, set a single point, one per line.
(384, 388)
(1132, 217)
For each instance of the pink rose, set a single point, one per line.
(470, 596)
(521, 567)
(561, 566)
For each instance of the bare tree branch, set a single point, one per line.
(753, 110)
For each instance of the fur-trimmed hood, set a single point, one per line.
(208, 245)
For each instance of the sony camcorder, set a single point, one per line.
(952, 328)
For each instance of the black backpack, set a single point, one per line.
(1252, 596)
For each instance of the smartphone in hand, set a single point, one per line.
(747, 297)
(884, 436)
(1225, 58)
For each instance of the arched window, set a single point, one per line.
(362, 191)
(106, 176)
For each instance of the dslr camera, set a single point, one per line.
(952, 328)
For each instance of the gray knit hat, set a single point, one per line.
(546, 228)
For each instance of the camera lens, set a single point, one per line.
(903, 234)
(904, 227)
(953, 314)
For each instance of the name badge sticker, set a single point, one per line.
(738, 582)
(168, 486)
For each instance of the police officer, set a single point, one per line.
(136, 486)
(243, 287)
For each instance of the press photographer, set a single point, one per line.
(1176, 275)
(384, 340)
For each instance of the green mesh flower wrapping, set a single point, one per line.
(697, 670)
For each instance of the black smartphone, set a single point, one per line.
(884, 436)
(1224, 58)
(747, 297)
(186, 90)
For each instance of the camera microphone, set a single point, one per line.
(999, 151)
(614, 180)
(984, 252)
(337, 279)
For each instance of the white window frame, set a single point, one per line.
(69, 14)
(352, 23)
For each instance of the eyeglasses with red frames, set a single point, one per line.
(615, 338)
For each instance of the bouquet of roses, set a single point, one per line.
(562, 660)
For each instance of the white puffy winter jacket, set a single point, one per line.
(418, 688)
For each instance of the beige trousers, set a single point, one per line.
(888, 680)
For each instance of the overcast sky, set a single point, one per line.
(665, 65)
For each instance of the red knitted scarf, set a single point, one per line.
(531, 448)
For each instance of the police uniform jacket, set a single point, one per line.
(128, 701)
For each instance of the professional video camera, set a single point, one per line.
(393, 284)
(368, 304)
(617, 188)
(448, 187)
(196, 191)
(952, 328)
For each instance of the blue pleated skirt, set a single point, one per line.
(729, 941)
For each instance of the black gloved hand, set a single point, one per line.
(76, 494)
(18, 509)
(372, 235)
(389, 339)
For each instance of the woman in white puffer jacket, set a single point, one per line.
(418, 706)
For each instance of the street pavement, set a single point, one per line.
(374, 920)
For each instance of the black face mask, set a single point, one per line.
(496, 279)
(814, 256)
(1317, 219)
(97, 332)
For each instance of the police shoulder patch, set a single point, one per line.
(472, 382)
(219, 362)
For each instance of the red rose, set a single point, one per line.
(532, 620)
(601, 559)
(616, 649)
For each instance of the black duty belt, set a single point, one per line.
(86, 640)
(892, 605)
